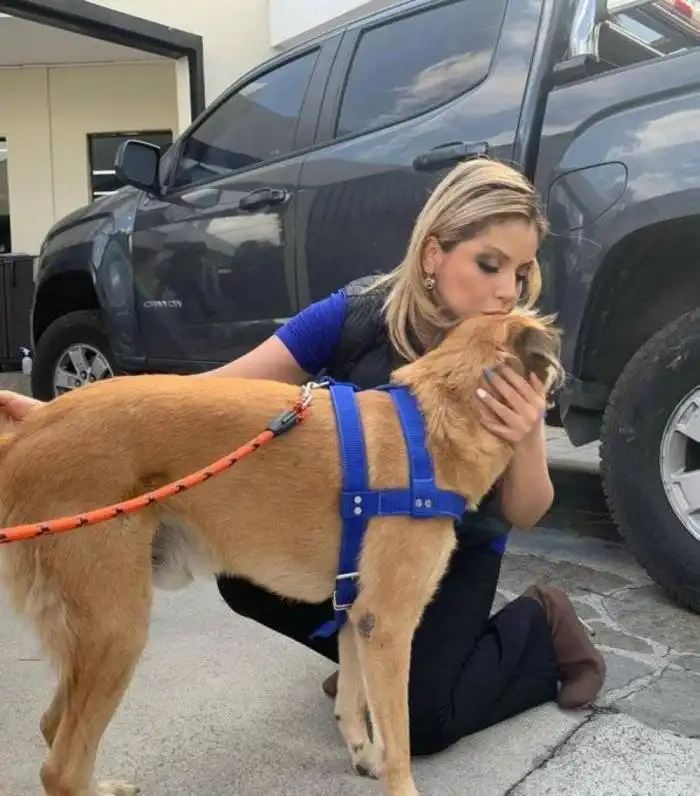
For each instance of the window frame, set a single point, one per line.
(330, 114)
(3, 140)
(301, 140)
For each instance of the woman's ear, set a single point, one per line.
(432, 256)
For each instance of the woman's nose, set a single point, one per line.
(508, 289)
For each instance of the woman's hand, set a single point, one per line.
(513, 407)
(16, 405)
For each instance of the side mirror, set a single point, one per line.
(138, 164)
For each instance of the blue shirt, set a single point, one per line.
(311, 337)
(313, 334)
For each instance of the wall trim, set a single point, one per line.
(97, 22)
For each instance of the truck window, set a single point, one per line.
(255, 124)
(414, 63)
(655, 30)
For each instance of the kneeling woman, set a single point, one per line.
(473, 250)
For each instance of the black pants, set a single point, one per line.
(468, 672)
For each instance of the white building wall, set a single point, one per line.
(236, 33)
(293, 20)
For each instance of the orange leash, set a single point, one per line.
(275, 428)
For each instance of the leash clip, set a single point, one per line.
(307, 392)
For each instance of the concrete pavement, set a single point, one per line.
(220, 706)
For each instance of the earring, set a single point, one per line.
(429, 282)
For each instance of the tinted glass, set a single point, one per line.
(412, 64)
(254, 125)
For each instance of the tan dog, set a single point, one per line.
(113, 440)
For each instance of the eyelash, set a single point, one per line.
(490, 269)
(493, 269)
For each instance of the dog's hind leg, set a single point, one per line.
(401, 566)
(52, 717)
(108, 634)
(104, 658)
(351, 707)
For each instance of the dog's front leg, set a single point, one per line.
(351, 707)
(401, 565)
(385, 650)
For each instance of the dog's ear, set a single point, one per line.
(538, 348)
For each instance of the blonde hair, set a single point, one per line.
(474, 195)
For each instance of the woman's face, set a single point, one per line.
(484, 274)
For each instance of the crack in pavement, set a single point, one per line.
(622, 590)
(541, 760)
(632, 688)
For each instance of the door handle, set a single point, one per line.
(265, 197)
(447, 154)
(203, 198)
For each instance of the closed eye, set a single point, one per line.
(487, 267)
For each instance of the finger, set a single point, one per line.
(503, 412)
(532, 395)
(537, 385)
(503, 431)
(499, 383)
(523, 386)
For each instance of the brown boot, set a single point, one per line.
(330, 685)
(580, 667)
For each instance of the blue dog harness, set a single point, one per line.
(358, 502)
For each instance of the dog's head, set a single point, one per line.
(447, 378)
(524, 340)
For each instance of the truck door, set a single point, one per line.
(413, 90)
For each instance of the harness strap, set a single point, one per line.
(355, 487)
(358, 503)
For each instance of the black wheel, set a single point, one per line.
(73, 351)
(650, 458)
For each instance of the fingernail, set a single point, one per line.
(488, 373)
(481, 393)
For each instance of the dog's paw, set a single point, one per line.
(366, 760)
(114, 787)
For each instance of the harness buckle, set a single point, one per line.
(345, 576)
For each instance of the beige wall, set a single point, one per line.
(235, 33)
(46, 115)
(24, 121)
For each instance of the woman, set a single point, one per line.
(473, 250)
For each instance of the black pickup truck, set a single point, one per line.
(309, 171)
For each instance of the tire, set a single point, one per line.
(654, 384)
(76, 329)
